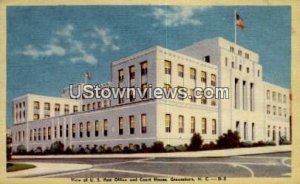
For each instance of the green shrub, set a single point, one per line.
(209, 146)
(69, 150)
(180, 148)
(136, 148)
(144, 148)
(283, 141)
(246, 144)
(196, 142)
(101, 149)
(229, 140)
(108, 150)
(117, 149)
(270, 143)
(57, 147)
(170, 148)
(94, 149)
(38, 151)
(21, 150)
(158, 146)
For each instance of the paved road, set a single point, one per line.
(263, 165)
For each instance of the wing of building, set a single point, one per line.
(256, 109)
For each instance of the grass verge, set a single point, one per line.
(12, 167)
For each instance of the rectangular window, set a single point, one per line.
(105, 127)
(94, 105)
(131, 124)
(88, 107)
(144, 68)
(67, 130)
(181, 124)
(268, 95)
(231, 49)
(60, 131)
(203, 76)
(193, 98)
(39, 133)
(274, 110)
(88, 129)
(57, 108)
(284, 98)
(207, 59)
(49, 133)
(36, 116)
(168, 67)
(80, 130)
(204, 126)
(246, 55)
(180, 70)
(121, 75)
(131, 72)
(144, 87)
(240, 52)
(268, 109)
(55, 132)
(83, 107)
(75, 108)
(213, 80)
(97, 126)
(121, 125)
(214, 127)
(47, 106)
(279, 111)
(168, 123)
(279, 98)
(144, 123)
(193, 73)
(44, 133)
(36, 105)
(73, 130)
(274, 96)
(193, 124)
(67, 110)
(99, 105)
(180, 95)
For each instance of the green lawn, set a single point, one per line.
(11, 167)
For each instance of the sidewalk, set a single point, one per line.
(210, 153)
(46, 168)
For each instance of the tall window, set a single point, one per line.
(121, 125)
(193, 73)
(231, 49)
(88, 129)
(67, 110)
(214, 127)
(47, 106)
(180, 70)
(144, 89)
(121, 75)
(168, 123)
(213, 80)
(204, 128)
(203, 77)
(105, 127)
(67, 130)
(131, 72)
(245, 130)
(49, 133)
(44, 133)
(144, 68)
(60, 131)
(181, 124)
(268, 95)
(269, 131)
(55, 131)
(279, 98)
(268, 109)
(97, 126)
(73, 130)
(94, 105)
(246, 55)
(240, 52)
(39, 133)
(80, 129)
(131, 124)
(253, 132)
(193, 124)
(284, 98)
(168, 67)
(57, 108)
(144, 123)
(36, 105)
(193, 98)
(274, 110)
(274, 96)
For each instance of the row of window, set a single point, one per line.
(193, 76)
(240, 67)
(20, 115)
(78, 130)
(240, 52)
(144, 71)
(20, 105)
(47, 107)
(276, 97)
(96, 105)
(274, 132)
(243, 128)
(181, 124)
(275, 111)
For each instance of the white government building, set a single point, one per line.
(258, 110)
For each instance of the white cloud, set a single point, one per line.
(66, 31)
(48, 50)
(88, 58)
(178, 16)
(105, 38)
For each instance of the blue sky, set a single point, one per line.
(50, 47)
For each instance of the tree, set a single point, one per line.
(57, 147)
(229, 140)
(158, 146)
(196, 142)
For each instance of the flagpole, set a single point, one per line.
(234, 23)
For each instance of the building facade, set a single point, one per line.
(250, 109)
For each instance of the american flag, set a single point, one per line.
(239, 21)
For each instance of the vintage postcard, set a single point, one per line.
(149, 92)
